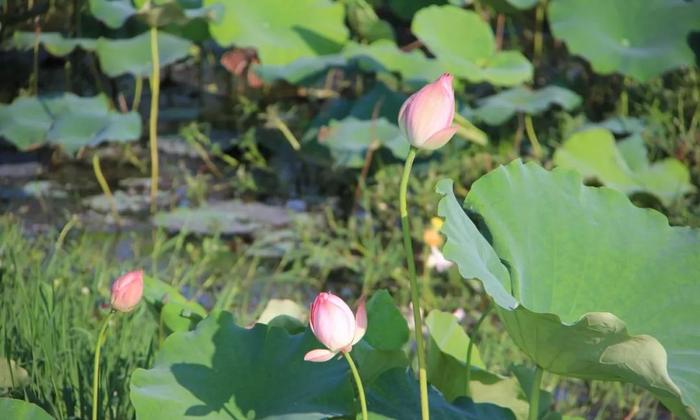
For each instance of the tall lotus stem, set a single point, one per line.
(153, 120)
(96, 371)
(358, 382)
(415, 297)
(470, 347)
(535, 395)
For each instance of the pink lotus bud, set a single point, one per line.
(426, 117)
(335, 326)
(127, 291)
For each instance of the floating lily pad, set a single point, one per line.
(499, 108)
(348, 140)
(21, 410)
(464, 44)
(637, 39)
(587, 284)
(221, 371)
(68, 120)
(226, 217)
(624, 165)
(280, 30)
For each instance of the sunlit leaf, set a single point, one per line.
(21, 410)
(637, 39)
(624, 165)
(280, 30)
(587, 284)
(464, 44)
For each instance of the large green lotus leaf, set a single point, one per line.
(223, 371)
(383, 55)
(499, 108)
(464, 44)
(280, 30)
(587, 284)
(349, 139)
(301, 69)
(386, 327)
(176, 312)
(53, 42)
(624, 165)
(133, 55)
(641, 39)
(395, 395)
(21, 410)
(68, 120)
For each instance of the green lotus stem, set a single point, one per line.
(537, 41)
(415, 297)
(138, 89)
(535, 394)
(358, 382)
(470, 347)
(532, 136)
(153, 120)
(96, 373)
(105, 187)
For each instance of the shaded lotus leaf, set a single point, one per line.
(53, 42)
(384, 56)
(586, 284)
(114, 13)
(232, 217)
(223, 371)
(133, 55)
(637, 39)
(365, 22)
(499, 108)
(348, 140)
(624, 165)
(464, 45)
(395, 395)
(386, 327)
(67, 120)
(281, 31)
(11, 375)
(21, 410)
(372, 362)
(301, 69)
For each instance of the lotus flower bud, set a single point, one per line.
(335, 326)
(127, 291)
(425, 119)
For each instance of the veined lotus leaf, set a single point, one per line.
(223, 371)
(349, 139)
(395, 395)
(587, 284)
(280, 30)
(624, 165)
(499, 108)
(638, 39)
(68, 120)
(464, 44)
(21, 410)
(133, 55)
